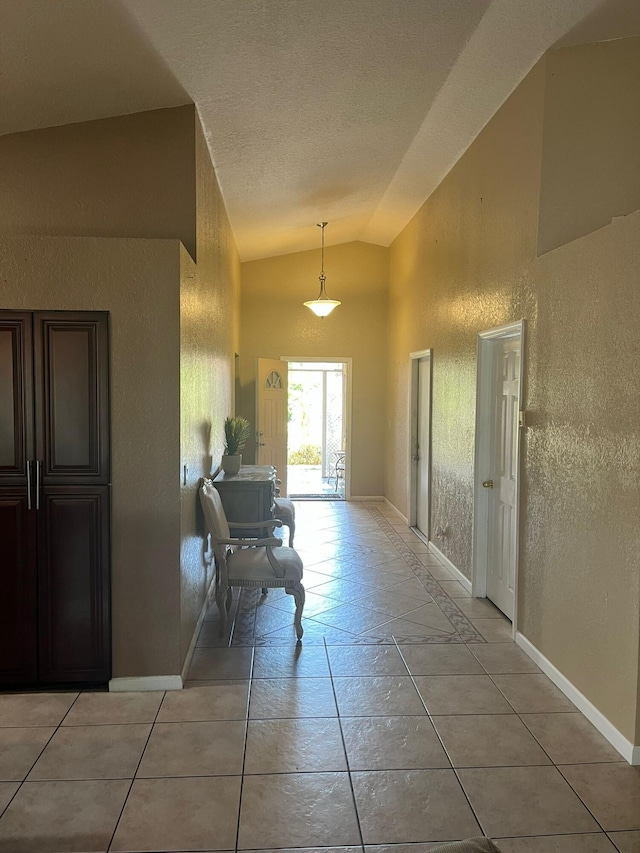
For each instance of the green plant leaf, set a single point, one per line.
(236, 434)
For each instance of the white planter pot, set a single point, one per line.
(231, 464)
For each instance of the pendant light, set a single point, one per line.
(322, 306)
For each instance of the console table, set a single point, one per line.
(247, 496)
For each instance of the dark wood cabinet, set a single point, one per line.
(18, 589)
(54, 498)
(247, 496)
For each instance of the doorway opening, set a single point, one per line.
(420, 444)
(317, 452)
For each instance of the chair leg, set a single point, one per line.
(289, 522)
(297, 592)
(222, 596)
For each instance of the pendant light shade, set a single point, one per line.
(322, 305)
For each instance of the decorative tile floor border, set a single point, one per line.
(243, 629)
(466, 632)
(244, 626)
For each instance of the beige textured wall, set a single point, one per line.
(209, 332)
(591, 130)
(129, 176)
(580, 575)
(121, 276)
(462, 265)
(274, 323)
(468, 262)
(148, 175)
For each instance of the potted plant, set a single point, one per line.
(236, 434)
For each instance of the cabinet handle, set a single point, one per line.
(28, 484)
(37, 484)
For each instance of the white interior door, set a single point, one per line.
(503, 510)
(271, 417)
(423, 446)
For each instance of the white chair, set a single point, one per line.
(339, 465)
(263, 563)
(285, 513)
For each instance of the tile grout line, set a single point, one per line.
(55, 731)
(578, 795)
(500, 766)
(144, 749)
(610, 832)
(344, 747)
(246, 738)
(446, 751)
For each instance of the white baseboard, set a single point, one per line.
(455, 571)
(366, 498)
(145, 683)
(194, 639)
(626, 749)
(397, 511)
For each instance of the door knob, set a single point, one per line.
(415, 458)
(487, 484)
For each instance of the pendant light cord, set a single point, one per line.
(321, 226)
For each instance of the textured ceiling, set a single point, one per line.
(349, 111)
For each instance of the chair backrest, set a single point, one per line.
(215, 517)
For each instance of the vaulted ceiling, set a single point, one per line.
(349, 111)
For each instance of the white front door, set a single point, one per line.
(423, 446)
(271, 417)
(503, 474)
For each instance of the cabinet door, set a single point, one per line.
(16, 398)
(18, 606)
(18, 645)
(71, 381)
(73, 588)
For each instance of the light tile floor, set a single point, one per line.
(407, 717)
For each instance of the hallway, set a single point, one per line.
(407, 717)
